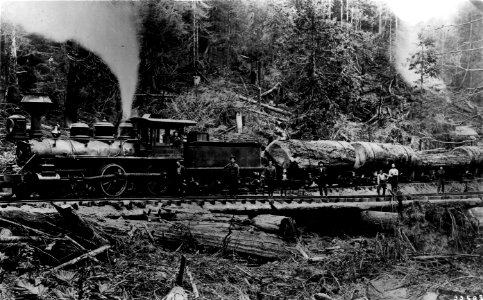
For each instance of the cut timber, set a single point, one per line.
(309, 153)
(280, 225)
(219, 235)
(378, 154)
(176, 293)
(379, 218)
(474, 153)
(442, 159)
(266, 106)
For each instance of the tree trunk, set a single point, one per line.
(309, 153)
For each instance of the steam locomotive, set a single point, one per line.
(141, 158)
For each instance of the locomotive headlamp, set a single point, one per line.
(16, 127)
(10, 126)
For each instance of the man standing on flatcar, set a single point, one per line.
(270, 174)
(233, 172)
(394, 178)
(322, 178)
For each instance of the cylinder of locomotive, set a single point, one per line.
(70, 148)
(309, 153)
(377, 154)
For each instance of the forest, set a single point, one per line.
(313, 69)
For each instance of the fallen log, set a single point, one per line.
(280, 225)
(307, 154)
(379, 219)
(82, 257)
(176, 293)
(218, 235)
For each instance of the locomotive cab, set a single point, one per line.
(160, 137)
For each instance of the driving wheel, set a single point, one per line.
(116, 183)
(157, 185)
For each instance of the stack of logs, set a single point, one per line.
(340, 154)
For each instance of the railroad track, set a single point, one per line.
(243, 199)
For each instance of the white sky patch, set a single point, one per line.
(415, 11)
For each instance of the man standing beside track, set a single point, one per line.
(180, 178)
(322, 178)
(394, 178)
(440, 174)
(381, 183)
(270, 174)
(233, 172)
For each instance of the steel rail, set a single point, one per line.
(250, 198)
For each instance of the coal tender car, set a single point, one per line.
(139, 159)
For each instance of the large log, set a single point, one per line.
(280, 225)
(473, 152)
(447, 159)
(226, 236)
(378, 154)
(308, 153)
(379, 218)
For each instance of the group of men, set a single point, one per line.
(392, 177)
(269, 175)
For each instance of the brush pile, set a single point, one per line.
(75, 254)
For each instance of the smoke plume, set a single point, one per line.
(106, 28)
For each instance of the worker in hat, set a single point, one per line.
(233, 171)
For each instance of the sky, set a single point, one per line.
(415, 11)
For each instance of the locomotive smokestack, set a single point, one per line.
(36, 104)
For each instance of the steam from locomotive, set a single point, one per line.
(106, 28)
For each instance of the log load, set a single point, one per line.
(378, 154)
(308, 153)
(474, 153)
(447, 159)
